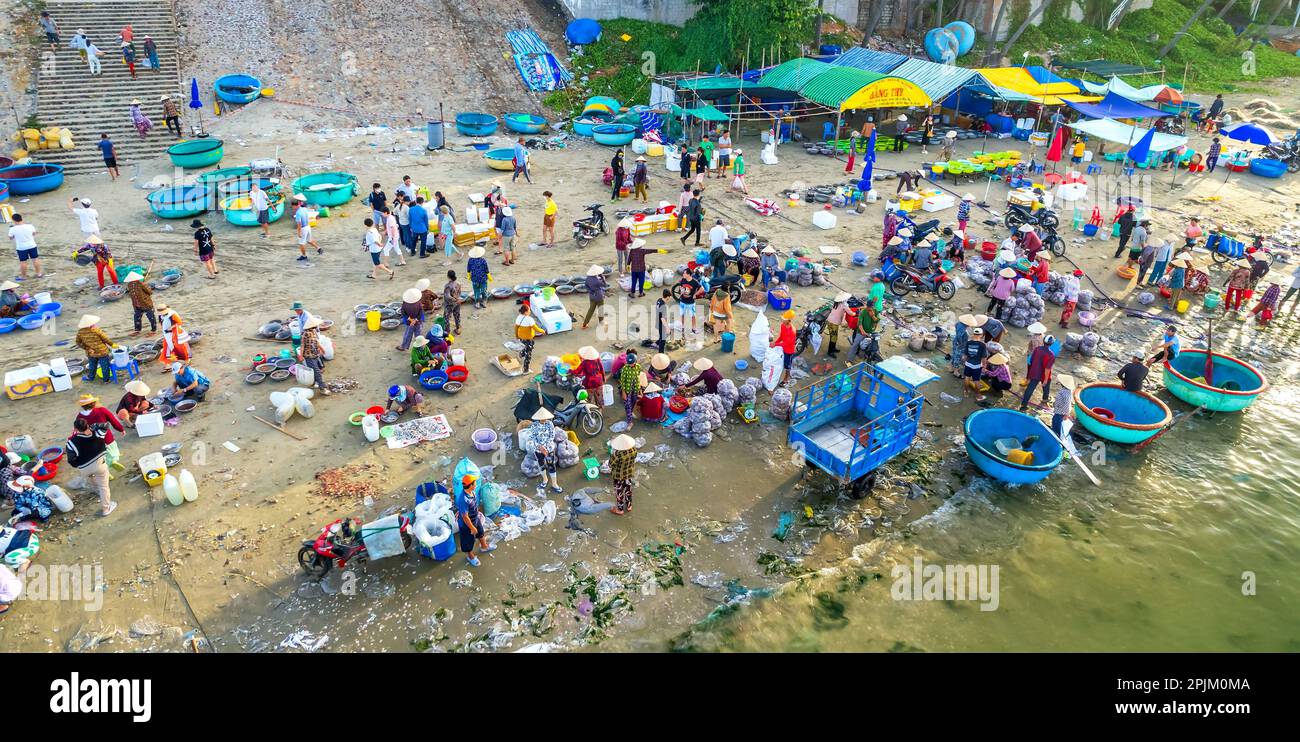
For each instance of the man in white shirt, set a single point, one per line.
(407, 188)
(372, 244)
(302, 216)
(24, 237)
(88, 217)
(403, 212)
(717, 235)
(393, 245)
(261, 207)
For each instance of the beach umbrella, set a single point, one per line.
(1250, 134)
(1142, 150)
(195, 103)
(1169, 95)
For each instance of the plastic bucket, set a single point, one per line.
(372, 320)
(728, 341)
(485, 439)
(1212, 300)
(1090, 230)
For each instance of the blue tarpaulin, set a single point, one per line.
(1115, 106)
(582, 31)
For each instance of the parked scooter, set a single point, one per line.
(589, 227)
(910, 279)
(339, 543)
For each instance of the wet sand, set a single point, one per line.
(223, 568)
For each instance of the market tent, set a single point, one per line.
(1016, 84)
(1116, 85)
(940, 80)
(1044, 76)
(1115, 106)
(1119, 133)
(703, 113)
(844, 88)
(869, 60)
(1105, 68)
(791, 76)
(712, 87)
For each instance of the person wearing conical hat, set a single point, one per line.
(708, 375)
(128, 58)
(997, 372)
(835, 318)
(134, 403)
(1063, 403)
(96, 345)
(596, 288)
(636, 253)
(421, 356)
(622, 469)
(176, 341)
(590, 369)
(479, 275)
(312, 355)
(622, 239)
(412, 313)
(749, 263)
(721, 316)
(1238, 281)
(140, 121)
(785, 340)
(1041, 272)
(631, 380)
(661, 368)
(103, 259)
(770, 266)
(1000, 289)
(1041, 360)
(961, 333)
(539, 439)
(641, 179)
(97, 414)
(11, 304)
(141, 294)
(652, 403)
(1180, 271)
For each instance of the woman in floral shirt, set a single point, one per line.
(622, 466)
(630, 383)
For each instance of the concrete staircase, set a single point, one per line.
(67, 95)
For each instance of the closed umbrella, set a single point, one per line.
(1142, 150)
(195, 103)
(1057, 146)
(868, 163)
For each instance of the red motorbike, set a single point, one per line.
(907, 279)
(339, 543)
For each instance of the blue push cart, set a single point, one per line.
(850, 424)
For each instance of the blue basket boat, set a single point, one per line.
(524, 123)
(196, 153)
(242, 186)
(1266, 167)
(500, 159)
(614, 135)
(29, 180)
(4, 192)
(214, 177)
(238, 88)
(583, 126)
(1236, 386)
(239, 210)
(178, 202)
(327, 189)
(985, 428)
(476, 124)
(1109, 412)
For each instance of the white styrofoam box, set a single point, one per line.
(477, 198)
(59, 375)
(1073, 191)
(824, 219)
(149, 424)
(483, 217)
(1087, 155)
(938, 203)
(471, 215)
(672, 162)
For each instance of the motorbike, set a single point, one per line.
(1018, 215)
(910, 279)
(815, 322)
(340, 542)
(581, 412)
(1287, 150)
(589, 227)
(1052, 241)
(733, 283)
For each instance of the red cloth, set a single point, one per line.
(1058, 144)
(1032, 244)
(1039, 272)
(785, 338)
(1040, 364)
(622, 238)
(652, 408)
(102, 415)
(592, 373)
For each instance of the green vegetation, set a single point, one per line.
(720, 34)
(1210, 51)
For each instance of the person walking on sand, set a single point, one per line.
(447, 234)
(596, 288)
(617, 168)
(393, 235)
(738, 173)
(205, 247)
(526, 331)
(927, 132)
(1041, 360)
(302, 223)
(419, 217)
(311, 355)
(724, 152)
(479, 275)
(1212, 155)
(641, 180)
(509, 230)
(785, 340)
(371, 243)
(631, 379)
(521, 162)
(549, 213)
(622, 238)
(451, 302)
(141, 302)
(1237, 283)
(471, 521)
(262, 207)
(171, 116)
(694, 218)
(24, 237)
(622, 468)
(1070, 284)
(103, 258)
(376, 201)
(87, 217)
(110, 156)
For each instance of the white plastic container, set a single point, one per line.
(172, 489)
(149, 424)
(639, 146)
(304, 374)
(824, 219)
(471, 215)
(370, 426)
(607, 362)
(873, 196)
(42, 298)
(458, 356)
(607, 394)
(59, 498)
(672, 161)
(189, 487)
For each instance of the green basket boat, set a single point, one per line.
(1109, 412)
(212, 178)
(1236, 384)
(239, 212)
(197, 153)
(327, 189)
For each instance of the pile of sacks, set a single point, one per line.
(782, 401)
(1085, 300)
(1025, 305)
(1055, 290)
(729, 393)
(704, 416)
(804, 274)
(980, 271)
(1089, 343)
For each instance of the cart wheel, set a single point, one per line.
(861, 488)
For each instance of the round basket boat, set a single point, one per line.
(1234, 386)
(244, 186)
(582, 126)
(239, 210)
(524, 123)
(984, 428)
(197, 153)
(29, 180)
(1109, 411)
(213, 178)
(500, 159)
(327, 189)
(237, 88)
(476, 124)
(178, 202)
(614, 135)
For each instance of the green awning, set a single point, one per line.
(713, 82)
(703, 113)
(791, 76)
(834, 86)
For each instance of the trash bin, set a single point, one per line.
(728, 341)
(435, 133)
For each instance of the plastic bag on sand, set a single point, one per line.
(300, 391)
(760, 334)
(326, 347)
(304, 406)
(383, 538)
(489, 499)
(285, 410)
(772, 367)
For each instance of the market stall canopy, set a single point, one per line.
(1250, 134)
(703, 113)
(1120, 133)
(1016, 84)
(712, 87)
(1116, 85)
(941, 80)
(1115, 106)
(844, 87)
(870, 60)
(1105, 68)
